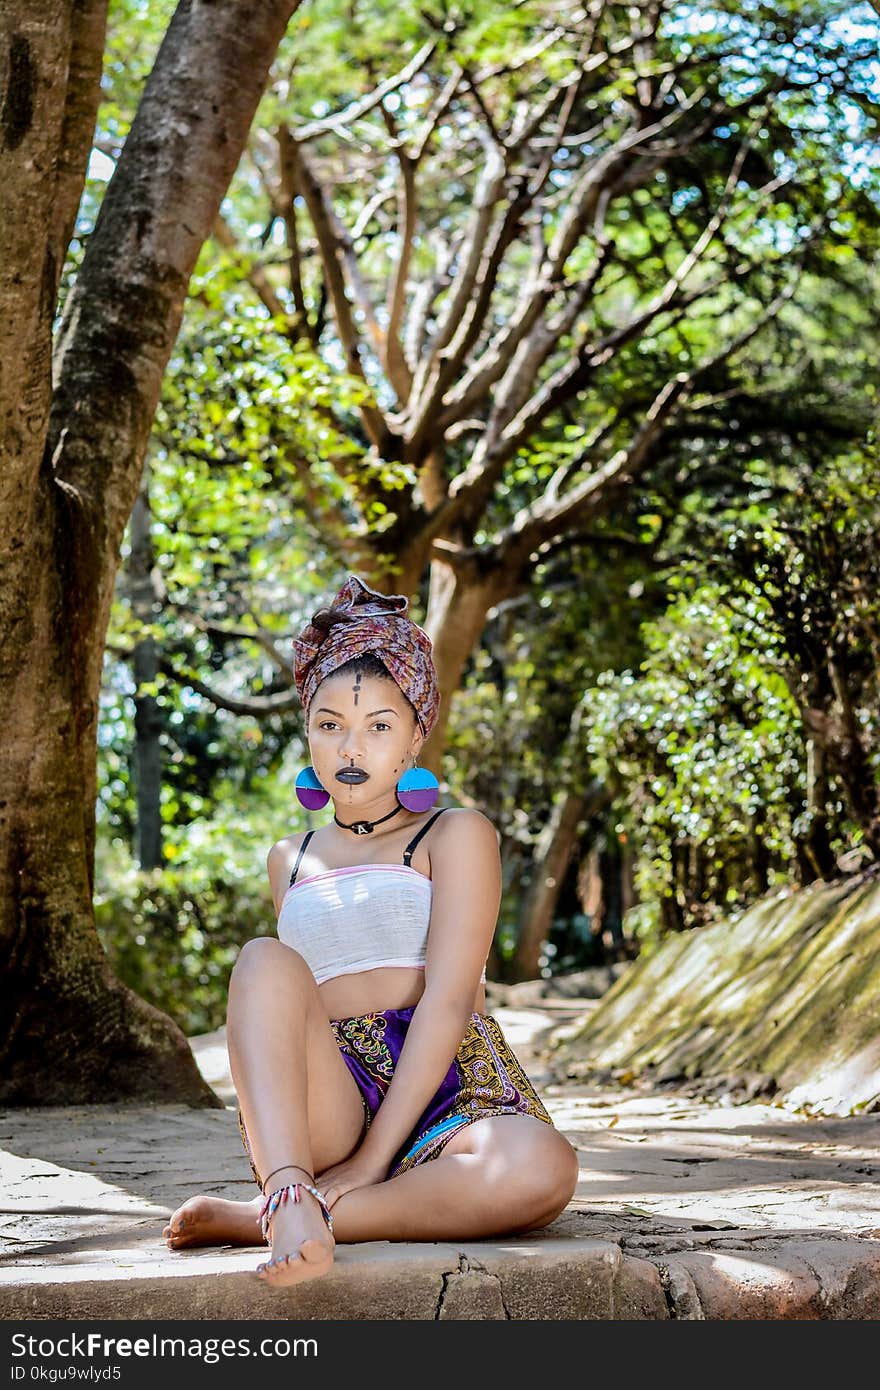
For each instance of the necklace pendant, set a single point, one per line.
(366, 827)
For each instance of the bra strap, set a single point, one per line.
(408, 852)
(302, 850)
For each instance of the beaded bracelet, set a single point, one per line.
(282, 1194)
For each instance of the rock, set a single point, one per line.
(782, 1002)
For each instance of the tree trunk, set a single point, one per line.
(628, 893)
(147, 715)
(817, 843)
(853, 765)
(759, 860)
(554, 849)
(460, 599)
(612, 872)
(674, 904)
(552, 855)
(148, 760)
(591, 892)
(70, 467)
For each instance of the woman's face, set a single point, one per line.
(362, 737)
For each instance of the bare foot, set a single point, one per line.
(302, 1245)
(214, 1221)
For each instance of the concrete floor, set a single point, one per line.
(685, 1208)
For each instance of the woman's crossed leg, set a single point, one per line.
(300, 1105)
(497, 1176)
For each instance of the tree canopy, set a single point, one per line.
(559, 321)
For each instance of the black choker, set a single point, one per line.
(366, 827)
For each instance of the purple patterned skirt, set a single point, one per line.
(483, 1079)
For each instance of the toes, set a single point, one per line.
(311, 1260)
(275, 1266)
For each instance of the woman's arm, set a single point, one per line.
(466, 895)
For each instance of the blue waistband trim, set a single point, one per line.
(440, 1128)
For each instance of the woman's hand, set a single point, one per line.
(357, 1171)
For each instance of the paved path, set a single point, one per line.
(686, 1208)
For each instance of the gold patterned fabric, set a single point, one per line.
(490, 1081)
(484, 1079)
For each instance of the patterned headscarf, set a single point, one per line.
(373, 623)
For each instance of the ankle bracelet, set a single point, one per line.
(283, 1194)
(281, 1170)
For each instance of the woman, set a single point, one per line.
(378, 1100)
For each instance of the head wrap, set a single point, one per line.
(372, 622)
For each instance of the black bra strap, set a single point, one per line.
(408, 852)
(302, 850)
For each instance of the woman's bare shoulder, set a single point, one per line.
(467, 879)
(279, 864)
(462, 826)
(284, 848)
(464, 816)
(282, 855)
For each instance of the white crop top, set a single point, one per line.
(361, 917)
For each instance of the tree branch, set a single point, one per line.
(286, 201)
(487, 194)
(343, 120)
(88, 26)
(450, 360)
(336, 257)
(588, 200)
(258, 634)
(549, 515)
(123, 313)
(504, 435)
(263, 707)
(254, 273)
(394, 361)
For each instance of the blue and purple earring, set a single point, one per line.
(418, 789)
(309, 791)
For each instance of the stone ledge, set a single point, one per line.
(686, 1210)
(562, 1279)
